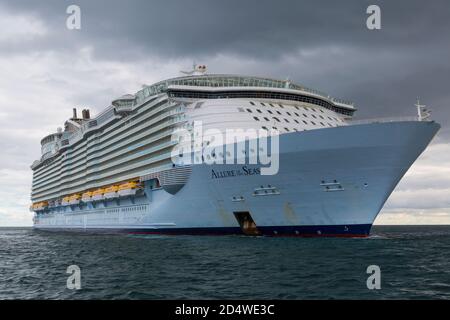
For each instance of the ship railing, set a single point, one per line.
(170, 122)
(101, 119)
(124, 108)
(105, 117)
(343, 102)
(383, 120)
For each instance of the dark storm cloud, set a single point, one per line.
(382, 71)
(255, 28)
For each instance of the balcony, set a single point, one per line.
(382, 120)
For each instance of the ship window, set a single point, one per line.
(288, 114)
(265, 128)
(314, 116)
(249, 110)
(259, 110)
(296, 107)
(305, 115)
(279, 112)
(296, 114)
(270, 111)
(305, 122)
(313, 122)
(281, 106)
(256, 118)
(321, 110)
(271, 105)
(286, 120)
(252, 103)
(258, 95)
(263, 104)
(278, 120)
(305, 108)
(321, 117)
(265, 118)
(322, 124)
(296, 121)
(286, 129)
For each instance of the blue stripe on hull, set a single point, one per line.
(357, 230)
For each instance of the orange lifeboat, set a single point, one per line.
(75, 198)
(111, 192)
(98, 194)
(87, 196)
(65, 201)
(129, 188)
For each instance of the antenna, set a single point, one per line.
(422, 112)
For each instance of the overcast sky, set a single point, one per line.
(47, 69)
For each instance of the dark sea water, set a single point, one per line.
(414, 263)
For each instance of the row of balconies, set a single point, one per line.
(179, 118)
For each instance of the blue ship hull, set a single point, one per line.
(331, 182)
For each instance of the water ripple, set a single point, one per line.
(414, 261)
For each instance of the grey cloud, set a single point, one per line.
(327, 42)
(382, 71)
(255, 28)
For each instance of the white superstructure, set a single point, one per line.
(115, 171)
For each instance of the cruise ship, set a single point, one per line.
(129, 169)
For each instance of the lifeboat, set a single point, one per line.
(74, 199)
(87, 196)
(40, 206)
(65, 201)
(97, 194)
(111, 192)
(128, 188)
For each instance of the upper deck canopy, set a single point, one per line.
(233, 81)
